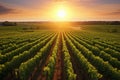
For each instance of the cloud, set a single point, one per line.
(117, 12)
(5, 10)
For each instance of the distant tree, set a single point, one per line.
(115, 23)
(6, 23)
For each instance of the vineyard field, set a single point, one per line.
(84, 52)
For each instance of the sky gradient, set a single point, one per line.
(37, 10)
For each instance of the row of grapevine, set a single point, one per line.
(10, 55)
(106, 57)
(107, 46)
(27, 67)
(7, 42)
(94, 42)
(50, 67)
(17, 60)
(15, 46)
(112, 44)
(113, 61)
(103, 67)
(68, 69)
(97, 41)
(88, 68)
(112, 52)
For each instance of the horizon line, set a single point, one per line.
(59, 21)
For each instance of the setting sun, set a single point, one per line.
(61, 13)
(59, 39)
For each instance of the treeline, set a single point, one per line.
(7, 23)
(81, 22)
(50, 23)
(97, 22)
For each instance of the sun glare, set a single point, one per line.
(61, 13)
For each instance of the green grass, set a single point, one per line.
(97, 31)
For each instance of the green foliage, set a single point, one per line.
(70, 75)
(103, 67)
(18, 59)
(27, 67)
(97, 51)
(49, 69)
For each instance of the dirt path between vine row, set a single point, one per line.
(38, 71)
(58, 72)
(81, 74)
(77, 68)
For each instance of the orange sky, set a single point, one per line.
(46, 10)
